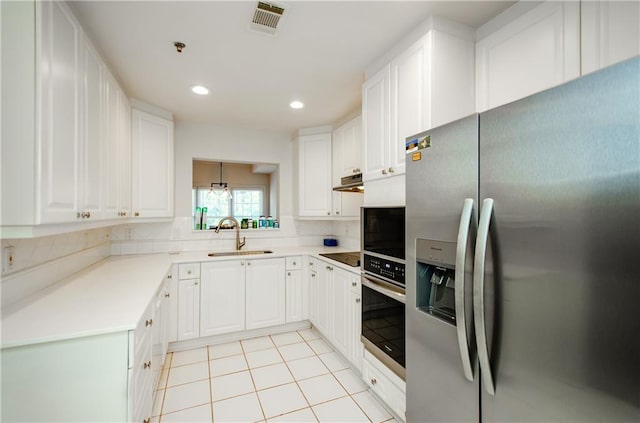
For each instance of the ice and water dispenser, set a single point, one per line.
(435, 272)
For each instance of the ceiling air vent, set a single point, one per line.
(267, 17)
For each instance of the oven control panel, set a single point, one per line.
(388, 269)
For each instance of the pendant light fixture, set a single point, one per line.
(221, 188)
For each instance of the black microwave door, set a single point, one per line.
(383, 231)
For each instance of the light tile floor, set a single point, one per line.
(288, 377)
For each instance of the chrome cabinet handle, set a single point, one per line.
(354, 283)
(294, 263)
(391, 170)
(148, 322)
(486, 215)
(373, 381)
(167, 295)
(147, 364)
(288, 273)
(384, 171)
(467, 217)
(357, 300)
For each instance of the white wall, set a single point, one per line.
(208, 142)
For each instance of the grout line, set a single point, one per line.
(210, 387)
(286, 363)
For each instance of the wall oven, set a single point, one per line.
(383, 285)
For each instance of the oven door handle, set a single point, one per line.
(376, 285)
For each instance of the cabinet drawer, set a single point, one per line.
(293, 263)
(189, 271)
(382, 385)
(312, 263)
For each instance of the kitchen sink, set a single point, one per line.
(239, 253)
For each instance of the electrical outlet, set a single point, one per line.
(8, 257)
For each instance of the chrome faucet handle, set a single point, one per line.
(241, 244)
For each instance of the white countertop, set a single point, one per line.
(110, 296)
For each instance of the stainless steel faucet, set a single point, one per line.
(239, 244)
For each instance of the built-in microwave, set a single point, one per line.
(382, 238)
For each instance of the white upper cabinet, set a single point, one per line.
(92, 151)
(152, 165)
(610, 33)
(314, 175)
(346, 148)
(375, 124)
(124, 156)
(428, 83)
(59, 130)
(533, 51)
(66, 124)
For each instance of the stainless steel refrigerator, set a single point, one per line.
(523, 259)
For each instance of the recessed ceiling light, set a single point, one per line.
(199, 89)
(296, 104)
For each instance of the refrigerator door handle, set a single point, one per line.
(461, 259)
(486, 215)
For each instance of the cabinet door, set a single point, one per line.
(340, 330)
(324, 309)
(92, 142)
(536, 51)
(610, 33)
(265, 293)
(59, 128)
(409, 104)
(375, 124)
(152, 179)
(188, 309)
(313, 297)
(354, 317)
(314, 161)
(112, 147)
(294, 301)
(222, 297)
(347, 150)
(124, 155)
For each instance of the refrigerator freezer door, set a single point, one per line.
(437, 186)
(562, 266)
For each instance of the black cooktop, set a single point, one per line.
(350, 258)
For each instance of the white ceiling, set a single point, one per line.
(318, 56)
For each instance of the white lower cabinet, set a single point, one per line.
(296, 301)
(105, 377)
(222, 297)
(188, 301)
(311, 274)
(323, 291)
(265, 293)
(388, 386)
(232, 296)
(335, 308)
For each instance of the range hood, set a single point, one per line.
(352, 183)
